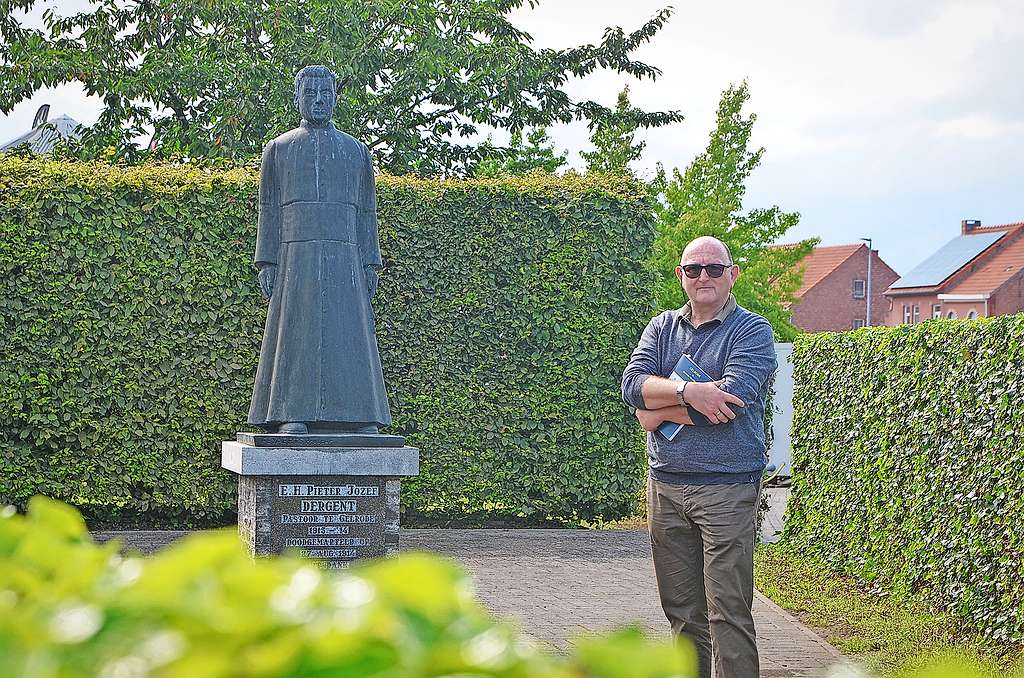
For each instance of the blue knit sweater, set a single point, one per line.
(739, 348)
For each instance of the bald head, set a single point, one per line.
(706, 246)
(706, 272)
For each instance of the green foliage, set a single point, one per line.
(890, 637)
(417, 78)
(202, 607)
(613, 138)
(130, 324)
(908, 445)
(534, 154)
(707, 199)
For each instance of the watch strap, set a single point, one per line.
(681, 393)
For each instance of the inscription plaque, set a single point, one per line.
(305, 506)
(331, 520)
(342, 505)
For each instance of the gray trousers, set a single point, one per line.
(702, 539)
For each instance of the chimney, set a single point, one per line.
(969, 225)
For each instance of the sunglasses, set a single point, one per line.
(714, 270)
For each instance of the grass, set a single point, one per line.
(889, 637)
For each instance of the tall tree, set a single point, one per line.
(417, 78)
(707, 199)
(535, 153)
(613, 138)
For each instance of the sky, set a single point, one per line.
(884, 120)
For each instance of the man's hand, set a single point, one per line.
(266, 277)
(650, 420)
(371, 280)
(711, 401)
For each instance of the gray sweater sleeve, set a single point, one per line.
(643, 363)
(751, 362)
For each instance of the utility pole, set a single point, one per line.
(867, 321)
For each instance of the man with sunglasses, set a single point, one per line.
(704, 484)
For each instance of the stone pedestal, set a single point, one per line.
(334, 497)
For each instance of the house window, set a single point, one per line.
(906, 314)
(936, 311)
(859, 289)
(972, 315)
(951, 315)
(858, 323)
(917, 313)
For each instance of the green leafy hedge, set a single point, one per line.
(131, 324)
(202, 607)
(908, 463)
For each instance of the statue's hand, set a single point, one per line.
(266, 278)
(371, 280)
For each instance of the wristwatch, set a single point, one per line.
(680, 390)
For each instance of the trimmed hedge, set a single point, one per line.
(203, 607)
(131, 324)
(908, 463)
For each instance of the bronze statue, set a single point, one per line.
(318, 255)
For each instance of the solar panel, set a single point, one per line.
(948, 259)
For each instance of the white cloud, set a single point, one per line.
(847, 95)
(977, 127)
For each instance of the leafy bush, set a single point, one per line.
(908, 463)
(202, 607)
(130, 326)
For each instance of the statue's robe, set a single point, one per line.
(318, 224)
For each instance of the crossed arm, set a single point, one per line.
(650, 420)
(660, 405)
(752, 360)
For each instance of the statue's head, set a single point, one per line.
(315, 94)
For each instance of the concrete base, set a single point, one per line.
(332, 505)
(249, 460)
(320, 440)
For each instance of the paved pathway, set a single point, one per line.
(558, 584)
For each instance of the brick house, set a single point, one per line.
(978, 273)
(833, 295)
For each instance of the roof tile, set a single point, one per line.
(995, 269)
(822, 261)
(946, 261)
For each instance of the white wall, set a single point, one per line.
(782, 421)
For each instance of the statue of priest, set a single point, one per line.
(318, 255)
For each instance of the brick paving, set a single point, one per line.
(558, 584)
